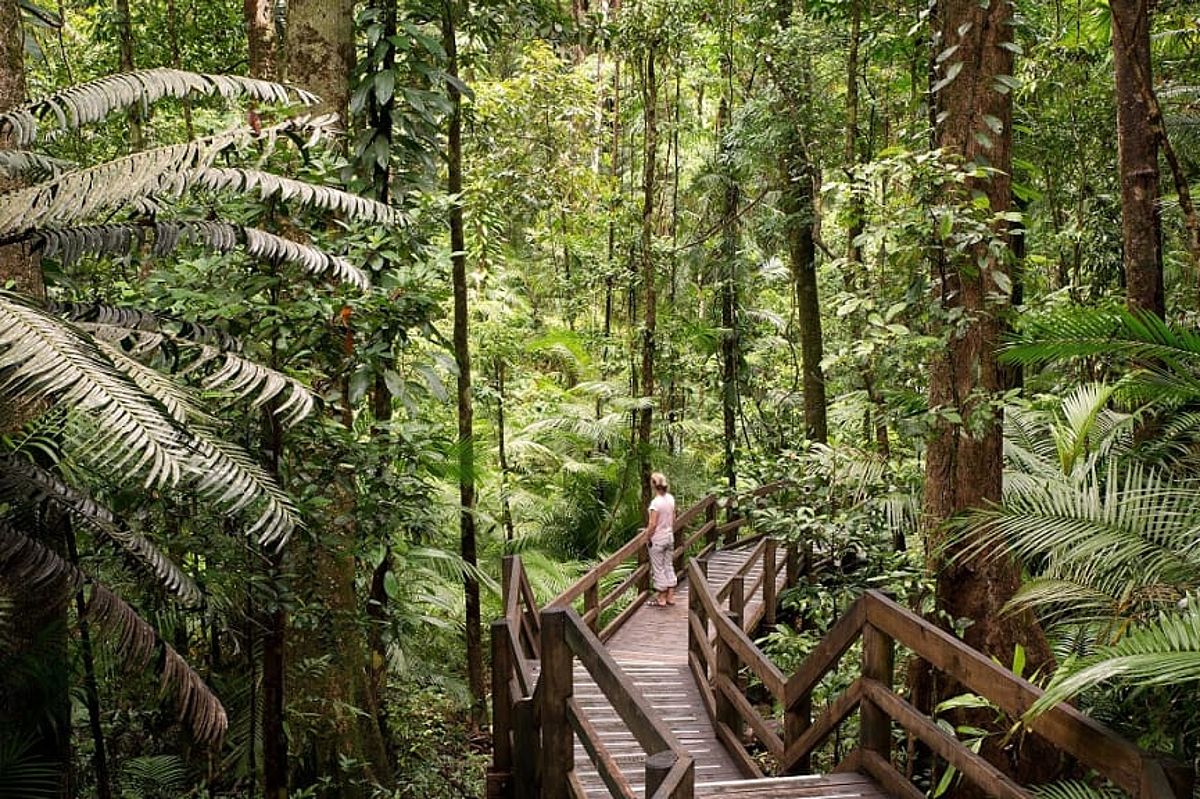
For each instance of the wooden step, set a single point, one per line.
(815, 786)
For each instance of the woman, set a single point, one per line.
(660, 537)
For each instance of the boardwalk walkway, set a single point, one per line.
(652, 649)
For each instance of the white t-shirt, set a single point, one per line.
(664, 530)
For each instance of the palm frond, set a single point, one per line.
(44, 359)
(69, 244)
(25, 562)
(32, 166)
(22, 480)
(140, 334)
(232, 478)
(169, 171)
(1165, 652)
(90, 102)
(1073, 789)
(246, 181)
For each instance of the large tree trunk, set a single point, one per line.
(1137, 151)
(649, 273)
(964, 459)
(34, 696)
(259, 16)
(320, 57)
(320, 50)
(462, 357)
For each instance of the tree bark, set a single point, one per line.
(1137, 156)
(320, 50)
(128, 64)
(964, 459)
(649, 289)
(259, 16)
(462, 357)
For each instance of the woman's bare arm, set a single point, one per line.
(651, 524)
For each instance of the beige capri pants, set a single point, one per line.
(662, 570)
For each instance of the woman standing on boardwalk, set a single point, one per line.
(660, 538)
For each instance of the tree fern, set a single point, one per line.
(88, 103)
(34, 567)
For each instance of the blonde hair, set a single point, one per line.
(659, 480)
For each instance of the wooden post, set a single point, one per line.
(875, 726)
(591, 602)
(657, 767)
(556, 687)
(710, 518)
(526, 782)
(507, 567)
(643, 559)
(769, 590)
(796, 721)
(502, 669)
(807, 561)
(727, 660)
(793, 564)
(695, 606)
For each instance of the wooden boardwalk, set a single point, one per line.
(652, 650)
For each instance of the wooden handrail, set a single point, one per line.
(566, 638)
(881, 623)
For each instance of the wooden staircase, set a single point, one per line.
(620, 698)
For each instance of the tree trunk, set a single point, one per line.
(31, 707)
(649, 292)
(506, 517)
(125, 22)
(462, 357)
(796, 202)
(729, 253)
(964, 459)
(320, 50)
(1137, 152)
(259, 16)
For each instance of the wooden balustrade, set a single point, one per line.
(669, 769)
(719, 649)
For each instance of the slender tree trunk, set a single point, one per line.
(964, 460)
(1137, 154)
(796, 202)
(462, 357)
(125, 21)
(17, 261)
(728, 255)
(649, 288)
(259, 16)
(506, 518)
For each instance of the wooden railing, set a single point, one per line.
(719, 648)
(516, 646)
(702, 517)
(670, 773)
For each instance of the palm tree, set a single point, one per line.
(111, 392)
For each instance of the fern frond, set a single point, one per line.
(22, 480)
(1073, 789)
(42, 358)
(246, 379)
(36, 568)
(90, 102)
(69, 244)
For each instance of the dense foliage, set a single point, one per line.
(312, 311)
